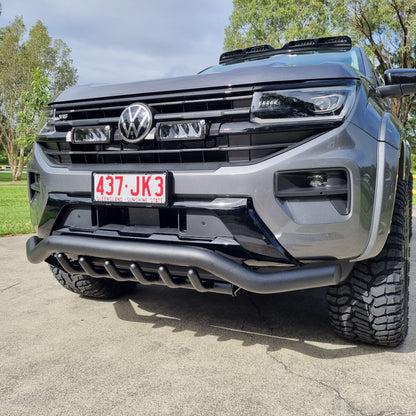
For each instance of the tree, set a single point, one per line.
(275, 22)
(387, 29)
(30, 118)
(31, 71)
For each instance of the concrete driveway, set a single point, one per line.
(175, 352)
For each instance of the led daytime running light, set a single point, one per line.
(308, 105)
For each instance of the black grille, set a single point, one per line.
(231, 138)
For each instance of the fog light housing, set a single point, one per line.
(317, 180)
(302, 187)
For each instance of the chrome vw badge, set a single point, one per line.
(135, 122)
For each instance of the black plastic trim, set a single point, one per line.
(235, 213)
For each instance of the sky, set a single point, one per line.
(114, 41)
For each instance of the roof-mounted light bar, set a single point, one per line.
(246, 52)
(303, 45)
(332, 42)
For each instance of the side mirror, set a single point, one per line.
(399, 82)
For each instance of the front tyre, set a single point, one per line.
(91, 287)
(372, 304)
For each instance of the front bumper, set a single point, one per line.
(309, 228)
(122, 259)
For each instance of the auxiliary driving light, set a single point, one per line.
(181, 130)
(93, 134)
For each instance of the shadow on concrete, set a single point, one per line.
(296, 321)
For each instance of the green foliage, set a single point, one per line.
(413, 166)
(3, 159)
(32, 69)
(34, 100)
(386, 28)
(275, 22)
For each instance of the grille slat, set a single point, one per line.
(67, 125)
(231, 138)
(203, 114)
(161, 151)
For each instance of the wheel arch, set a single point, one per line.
(393, 161)
(404, 160)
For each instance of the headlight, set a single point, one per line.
(49, 126)
(302, 105)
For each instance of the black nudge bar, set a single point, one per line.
(192, 258)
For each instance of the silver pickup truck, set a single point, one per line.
(275, 170)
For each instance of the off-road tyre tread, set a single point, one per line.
(372, 304)
(88, 286)
(410, 195)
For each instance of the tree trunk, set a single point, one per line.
(21, 164)
(16, 159)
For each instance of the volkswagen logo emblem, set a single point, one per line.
(135, 122)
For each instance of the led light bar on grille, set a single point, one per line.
(181, 130)
(93, 134)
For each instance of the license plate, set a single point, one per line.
(130, 188)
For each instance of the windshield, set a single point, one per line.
(351, 58)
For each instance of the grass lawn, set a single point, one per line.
(14, 207)
(7, 177)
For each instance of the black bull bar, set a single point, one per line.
(166, 255)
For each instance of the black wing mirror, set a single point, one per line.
(399, 82)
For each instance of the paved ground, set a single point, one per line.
(164, 352)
